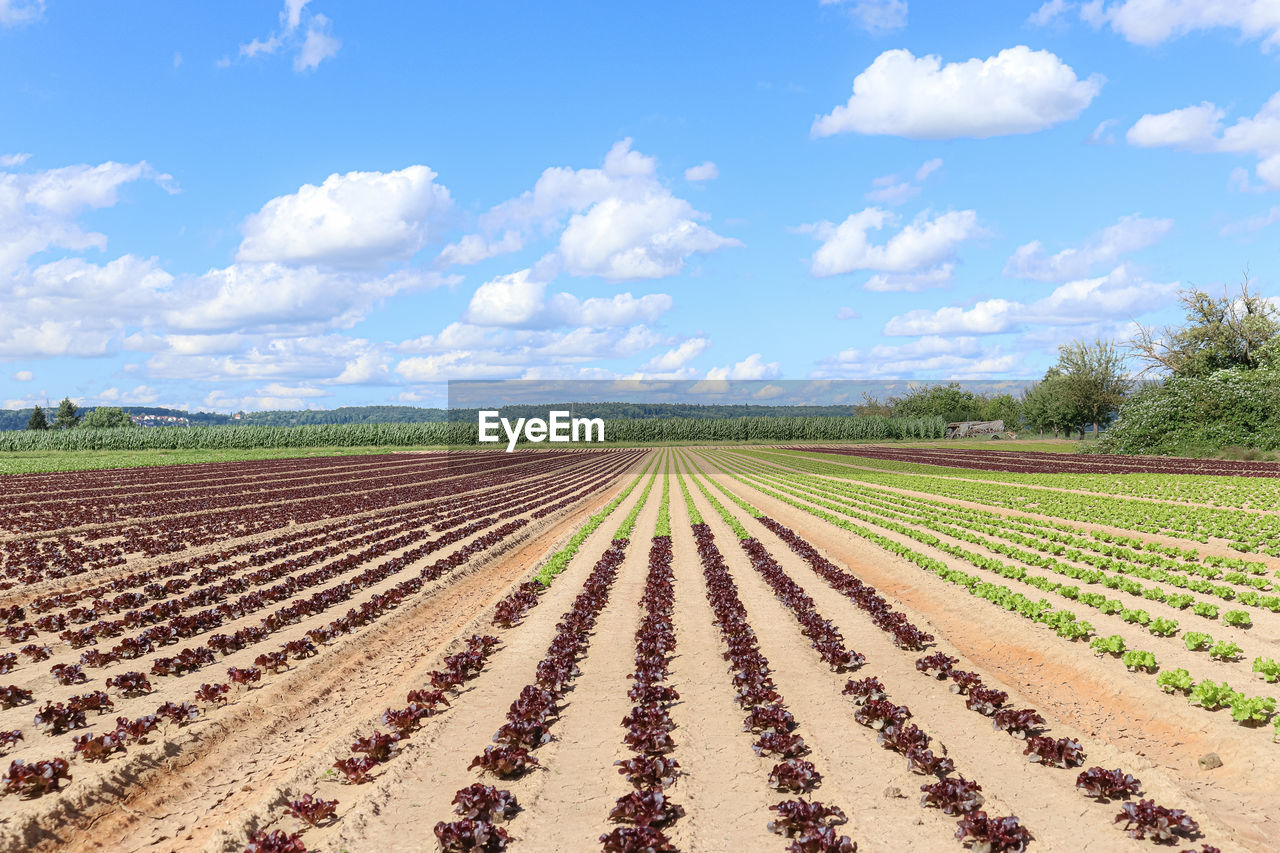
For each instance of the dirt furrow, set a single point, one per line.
(1065, 682)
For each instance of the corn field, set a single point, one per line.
(771, 429)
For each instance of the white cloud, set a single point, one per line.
(1016, 91)
(260, 46)
(321, 358)
(10, 160)
(20, 11)
(702, 172)
(1199, 128)
(22, 376)
(1102, 134)
(38, 209)
(292, 14)
(930, 356)
(888, 189)
(520, 300)
(877, 17)
(1048, 12)
(922, 244)
(623, 222)
(911, 282)
(465, 352)
(276, 298)
(648, 238)
(141, 395)
(673, 359)
(365, 369)
(928, 167)
(311, 44)
(1074, 303)
(1150, 22)
(358, 219)
(844, 312)
(751, 367)
(318, 46)
(1130, 234)
(1253, 223)
(473, 248)
(73, 307)
(1190, 128)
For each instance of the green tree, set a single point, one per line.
(950, 402)
(1002, 407)
(1047, 405)
(68, 415)
(1095, 380)
(38, 420)
(104, 417)
(1229, 331)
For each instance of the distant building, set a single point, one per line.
(159, 420)
(238, 416)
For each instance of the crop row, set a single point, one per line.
(937, 518)
(810, 824)
(1063, 622)
(29, 561)
(651, 770)
(954, 795)
(1246, 531)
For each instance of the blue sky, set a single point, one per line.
(312, 204)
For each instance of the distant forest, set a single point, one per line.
(14, 419)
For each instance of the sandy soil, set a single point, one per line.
(1115, 713)
(208, 785)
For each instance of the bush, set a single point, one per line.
(1234, 408)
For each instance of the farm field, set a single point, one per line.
(698, 648)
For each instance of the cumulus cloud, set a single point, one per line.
(1130, 234)
(1016, 91)
(702, 172)
(926, 245)
(752, 367)
(22, 376)
(911, 282)
(38, 210)
(1151, 22)
(258, 358)
(623, 223)
(1074, 303)
(474, 248)
(877, 17)
(141, 395)
(621, 239)
(520, 300)
(465, 352)
(844, 312)
(73, 307)
(890, 189)
(358, 219)
(277, 298)
(673, 360)
(930, 356)
(1200, 129)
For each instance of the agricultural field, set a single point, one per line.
(698, 648)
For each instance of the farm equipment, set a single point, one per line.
(977, 429)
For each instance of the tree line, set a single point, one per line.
(68, 417)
